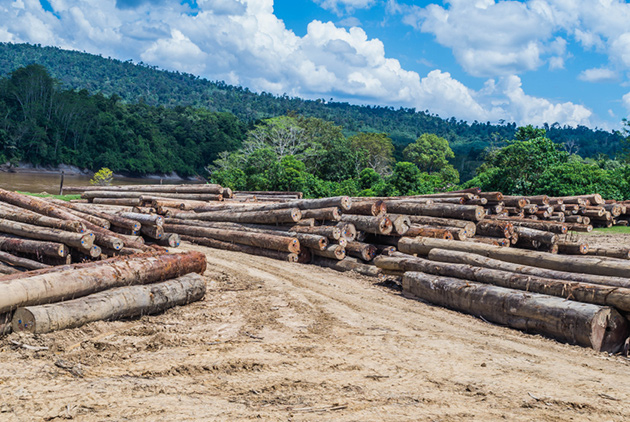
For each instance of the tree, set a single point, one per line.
(103, 177)
(429, 152)
(375, 150)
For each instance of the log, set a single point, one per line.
(5, 270)
(514, 201)
(16, 244)
(259, 240)
(150, 219)
(145, 195)
(495, 228)
(620, 253)
(491, 196)
(554, 227)
(298, 195)
(444, 255)
(525, 233)
(572, 248)
(463, 212)
(330, 232)
(154, 232)
(131, 202)
(112, 219)
(369, 224)
(171, 240)
(100, 222)
(599, 327)
(332, 251)
(13, 213)
(469, 227)
(348, 231)
(58, 286)
(400, 222)
(489, 240)
(121, 302)
(17, 261)
(367, 207)
(235, 247)
(288, 215)
(579, 227)
(77, 240)
(575, 264)
(327, 214)
(347, 264)
(430, 231)
(189, 188)
(364, 251)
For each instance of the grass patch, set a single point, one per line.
(611, 230)
(48, 195)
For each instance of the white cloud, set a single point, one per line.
(243, 42)
(337, 6)
(599, 74)
(626, 102)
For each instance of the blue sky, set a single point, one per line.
(529, 62)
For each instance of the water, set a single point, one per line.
(49, 182)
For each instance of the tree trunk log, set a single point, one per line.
(364, 251)
(323, 214)
(431, 231)
(150, 219)
(58, 286)
(573, 248)
(547, 238)
(131, 202)
(112, 219)
(601, 328)
(17, 261)
(620, 253)
(469, 227)
(332, 251)
(37, 247)
(13, 213)
(495, 228)
(236, 247)
(199, 188)
(462, 212)
(77, 240)
(401, 223)
(288, 215)
(369, 224)
(154, 232)
(367, 207)
(347, 264)
(259, 240)
(122, 302)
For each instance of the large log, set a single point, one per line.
(288, 215)
(599, 327)
(367, 207)
(574, 264)
(365, 251)
(113, 219)
(150, 219)
(58, 286)
(154, 232)
(259, 240)
(554, 227)
(525, 233)
(328, 214)
(331, 232)
(97, 221)
(11, 212)
(37, 247)
(495, 228)
(432, 231)
(620, 253)
(77, 240)
(463, 212)
(444, 255)
(369, 224)
(469, 227)
(400, 222)
(235, 247)
(581, 292)
(122, 302)
(90, 195)
(132, 202)
(332, 251)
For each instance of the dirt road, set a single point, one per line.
(280, 341)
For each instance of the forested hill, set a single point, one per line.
(143, 83)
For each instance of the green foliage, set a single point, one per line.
(103, 177)
(429, 152)
(375, 150)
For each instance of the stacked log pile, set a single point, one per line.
(69, 296)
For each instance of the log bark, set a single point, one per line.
(469, 227)
(599, 327)
(90, 195)
(235, 247)
(150, 219)
(330, 232)
(554, 227)
(367, 207)
(62, 285)
(17, 261)
(171, 240)
(547, 238)
(21, 215)
(495, 228)
(347, 264)
(259, 240)
(462, 212)
(188, 188)
(431, 231)
(364, 251)
(131, 202)
(579, 227)
(573, 248)
(444, 255)
(37, 247)
(489, 240)
(154, 232)
(401, 223)
(620, 253)
(77, 240)
(369, 224)
(112, 219)
(332, 251)
(574, 264)
(283, 216)
(325, 214)
(97, 221)
(122, 302)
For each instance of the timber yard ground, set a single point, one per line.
(280, 341)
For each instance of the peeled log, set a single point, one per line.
(573, 264)
(599, 327)
(369, 224)
(260, 240)
(37, 247)
(235, 247)
(62, 285)
(77, 240)
(122, 302)
(444, 255)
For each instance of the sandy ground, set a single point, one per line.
(279, 341)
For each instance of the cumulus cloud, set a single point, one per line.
(492, 38)
(338, 6)
(243, 42)
(599, 74)
(626, 102)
